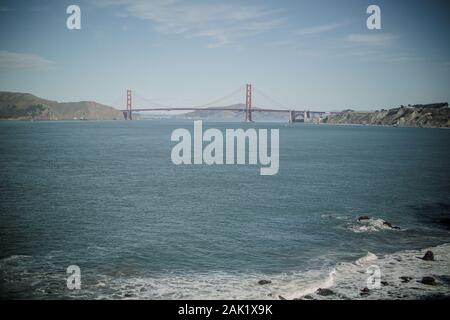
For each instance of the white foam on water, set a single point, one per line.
(219, 285)
(352, 277)
(326, 283)
(367, 258)
(370, 225)
(345, 281)
(14, 258)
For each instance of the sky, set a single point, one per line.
(313, 54)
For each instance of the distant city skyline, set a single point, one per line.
(304, 54)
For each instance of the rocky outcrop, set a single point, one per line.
(366, 223)
(430, 281)
(324, 292)
(406, 279)
(432, 116)
(429, 256)
(365, 291)
(390, 225)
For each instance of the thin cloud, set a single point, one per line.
(279, 43)
(318, 29)
(372, 39)
(15, 60)
(305, 32)
(221, 24)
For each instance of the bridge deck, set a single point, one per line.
(222, 109)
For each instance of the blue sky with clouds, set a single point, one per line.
(316, 53)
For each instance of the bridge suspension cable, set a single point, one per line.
(159, 105)
(119, 102)
(221, 98)
(270, 99)
(147, 103)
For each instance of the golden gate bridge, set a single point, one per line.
(247, 109)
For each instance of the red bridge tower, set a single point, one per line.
(127, 113)
(248, 104)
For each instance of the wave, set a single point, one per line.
(401, 274)
(367, 258)
(14, 258)
(344, 281)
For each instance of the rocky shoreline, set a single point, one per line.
(422, 116)
(417, 275)
(409, 274)
(427, 285)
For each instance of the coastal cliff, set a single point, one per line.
(429, 116)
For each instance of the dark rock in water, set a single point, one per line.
(324, 292)
(384, 283)
(429, 256)
(406, 279)
(128, 295)
(365, 291)
(307, 297)
(281, 298)
(263, 282)
(390, 225)
(428, 281)
(363, 218)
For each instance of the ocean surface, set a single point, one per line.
(106, 197)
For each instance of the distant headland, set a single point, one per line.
(435, 115)
(25, 106)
